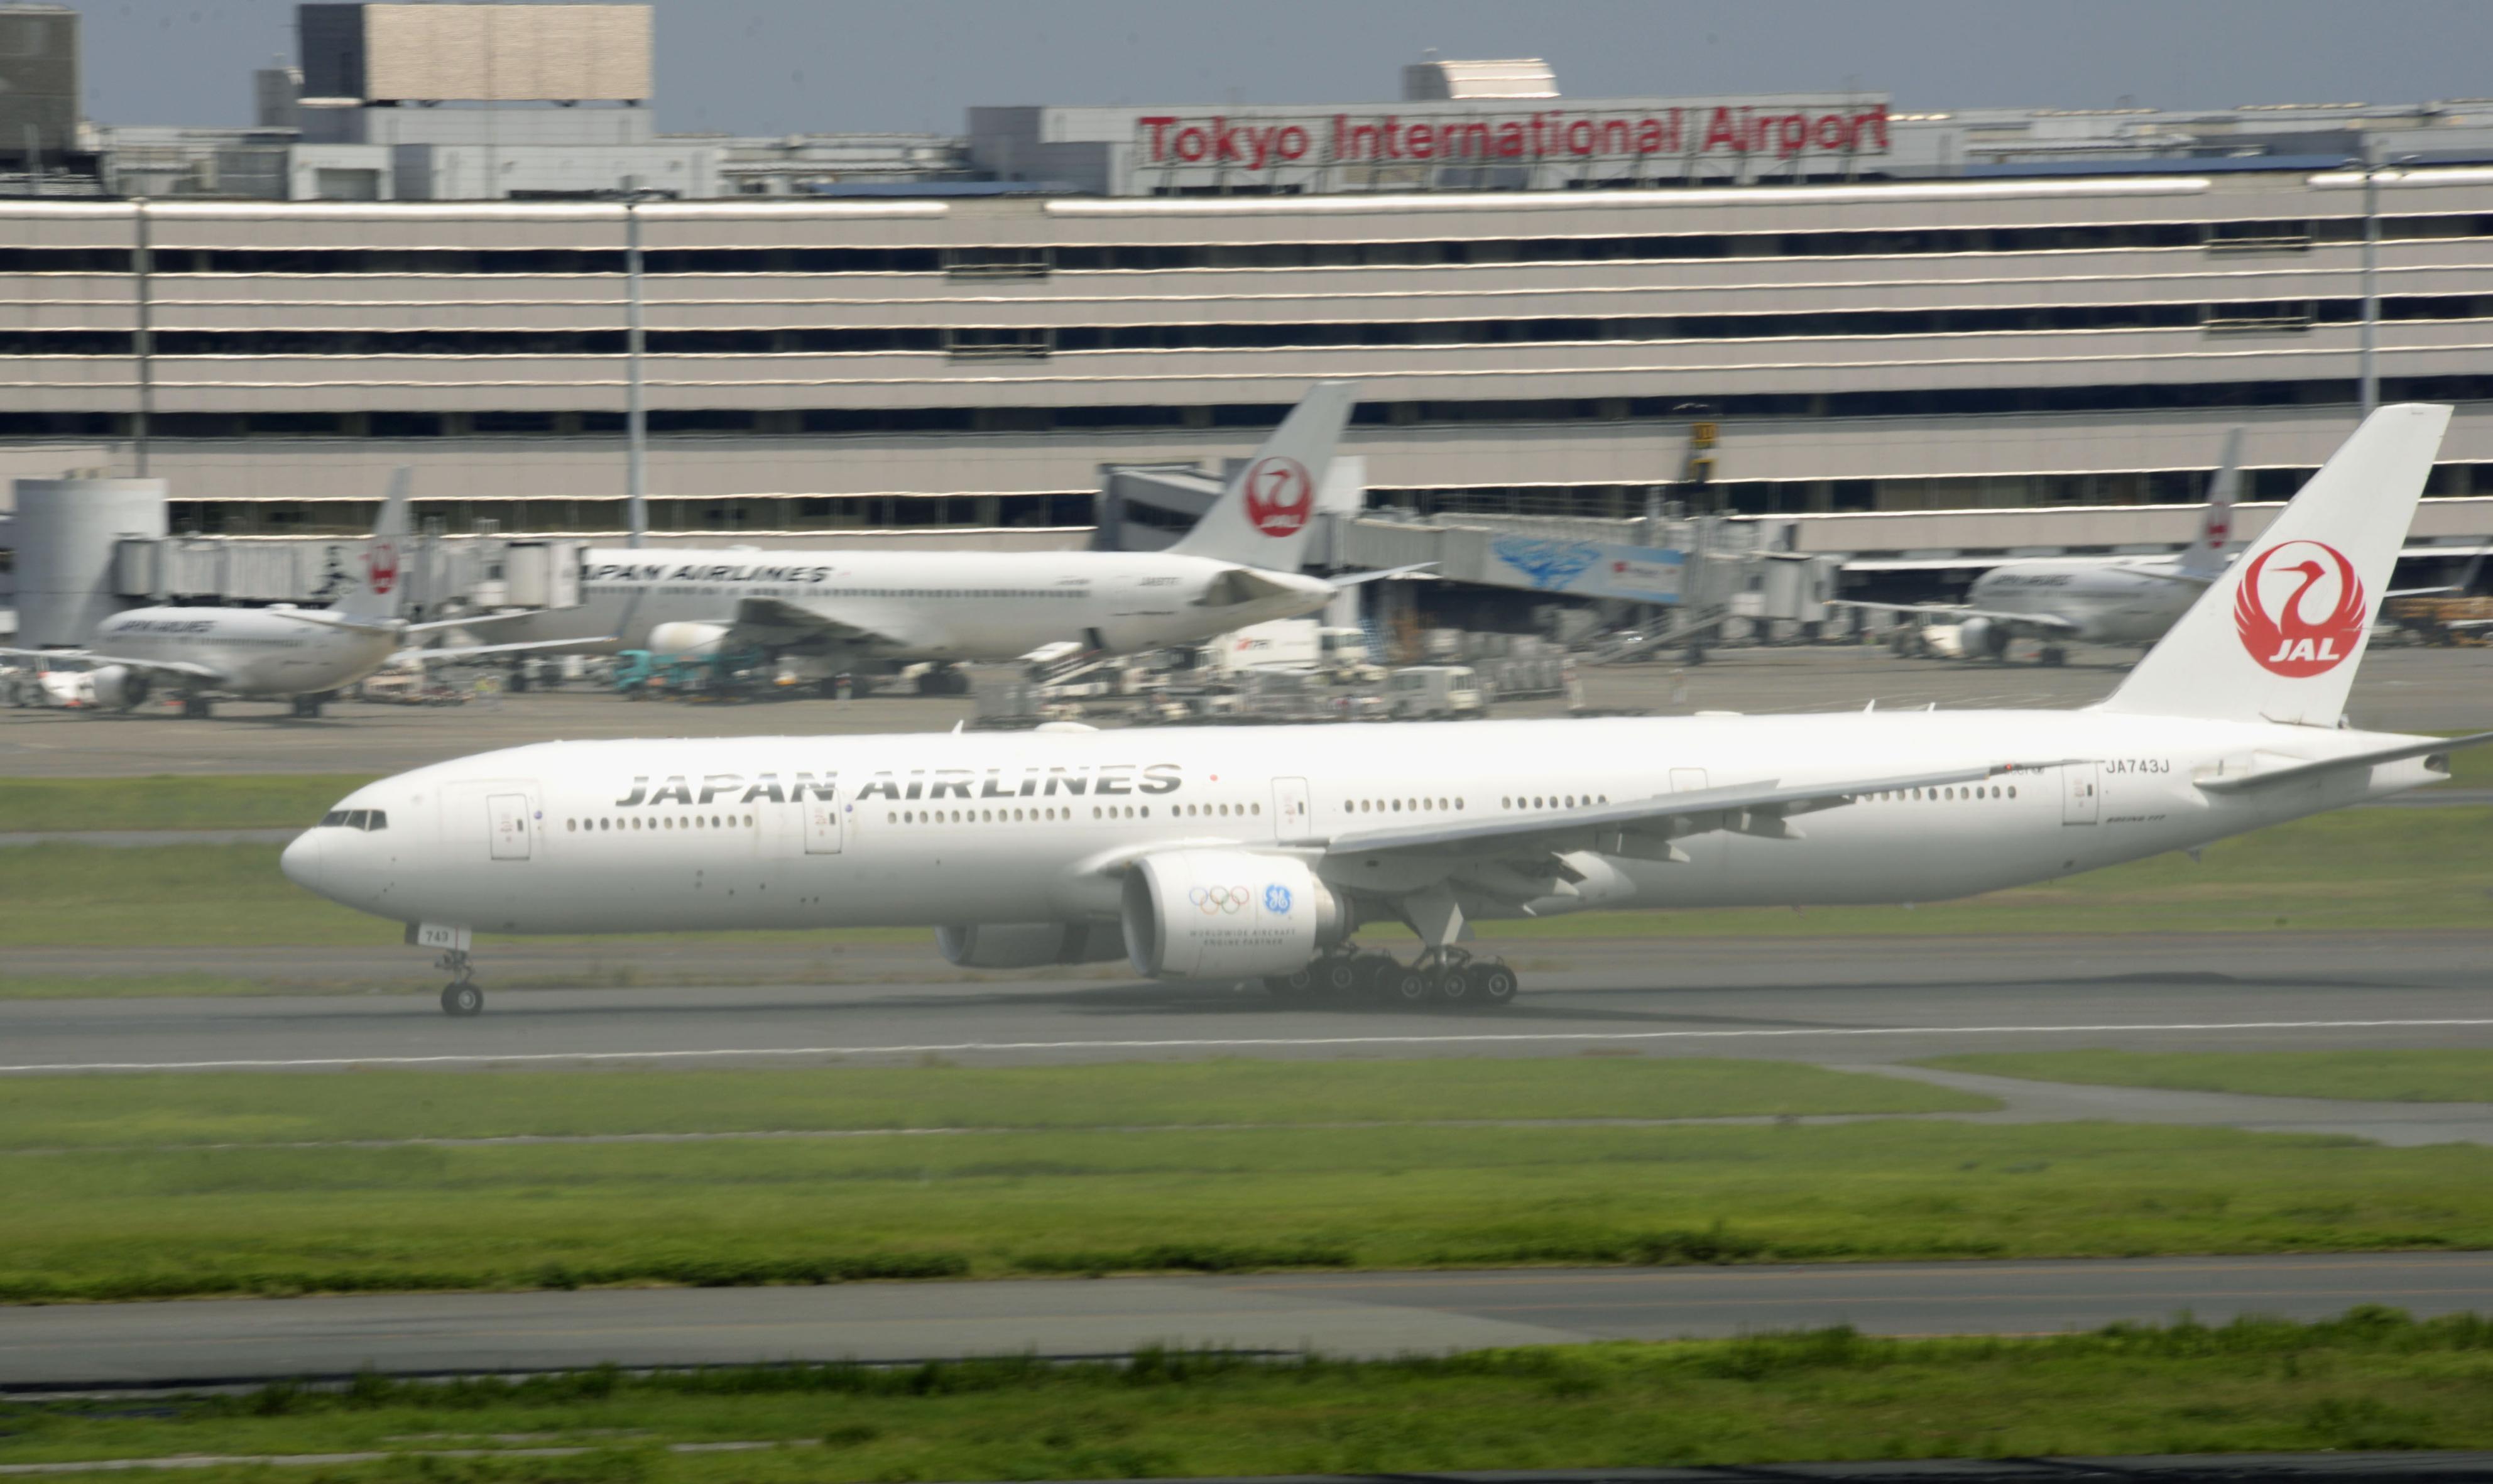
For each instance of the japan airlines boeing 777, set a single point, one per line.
(1257, 852)
(302, 655)
(832, 611)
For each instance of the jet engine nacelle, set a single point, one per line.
(687, 641)
(1982, 637)
(1029, 945)
(119, 685)
(1219, 914)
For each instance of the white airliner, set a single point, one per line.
(300, 654)
(2100, 599)
(1234, 853)
(824, 612)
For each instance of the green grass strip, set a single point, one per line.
(519, 1216)
(2450, 1076)
(2356, 869)
(165, 801)
(2373, 1380)
(177, 1109)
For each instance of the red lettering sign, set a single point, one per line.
(1256, 144)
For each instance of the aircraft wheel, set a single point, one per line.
(1340, 977)
(1457, 984)
(198, 706)
(1497, 984)
(461, 998)
(2053, 655)
(1406, 985)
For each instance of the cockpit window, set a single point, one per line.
(356, 819)
(376, 819)
(334, 817)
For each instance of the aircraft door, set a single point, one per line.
(1292, 819)
(508, 826)
(823, 822)
(2082, 802)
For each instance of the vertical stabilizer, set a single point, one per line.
(1264, 515)
(2205, 558)
(2279, 635)
(380, 581)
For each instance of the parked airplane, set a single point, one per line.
(304, 655)
(2102, 600)
(1237, 853)
(864, 611)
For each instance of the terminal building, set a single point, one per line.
(1928, 340)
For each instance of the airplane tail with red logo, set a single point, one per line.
(2279, 637)
(2205, 558)
(377, 581)
(1266, 512)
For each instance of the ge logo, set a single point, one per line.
(1277, 899)
(1212, 901)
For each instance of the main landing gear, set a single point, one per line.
(459, 997)
(1444, 976)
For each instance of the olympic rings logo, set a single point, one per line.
(1212, 901)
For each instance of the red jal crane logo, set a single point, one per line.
(381, 563)
(1279, 497)
(2285, 638)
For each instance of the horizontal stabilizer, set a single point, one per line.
(2303, 773)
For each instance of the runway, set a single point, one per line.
(1347, 1314)
(1825, 999)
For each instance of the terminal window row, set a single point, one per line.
(1035, 260)
(1247, 419)
(988, 342)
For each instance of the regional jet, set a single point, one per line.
(1256, 852)
(304, 655)
(826, 612)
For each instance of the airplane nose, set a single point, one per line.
(301, 862)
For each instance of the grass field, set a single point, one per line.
(2416, 870)
(173, 1109)
(2451, 1076)
(2370, 1380)
(239, 802)
(281, 1220)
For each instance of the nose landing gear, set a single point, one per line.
(459, 997)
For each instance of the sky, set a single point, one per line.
(771, 67)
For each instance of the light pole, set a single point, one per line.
(2368, 372)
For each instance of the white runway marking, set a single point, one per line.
(1515, 1037)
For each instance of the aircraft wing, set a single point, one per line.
(2030, 622)
(186, 669)
(476, 651)
(1354, 579)
(789, 623)
(1758, 809)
